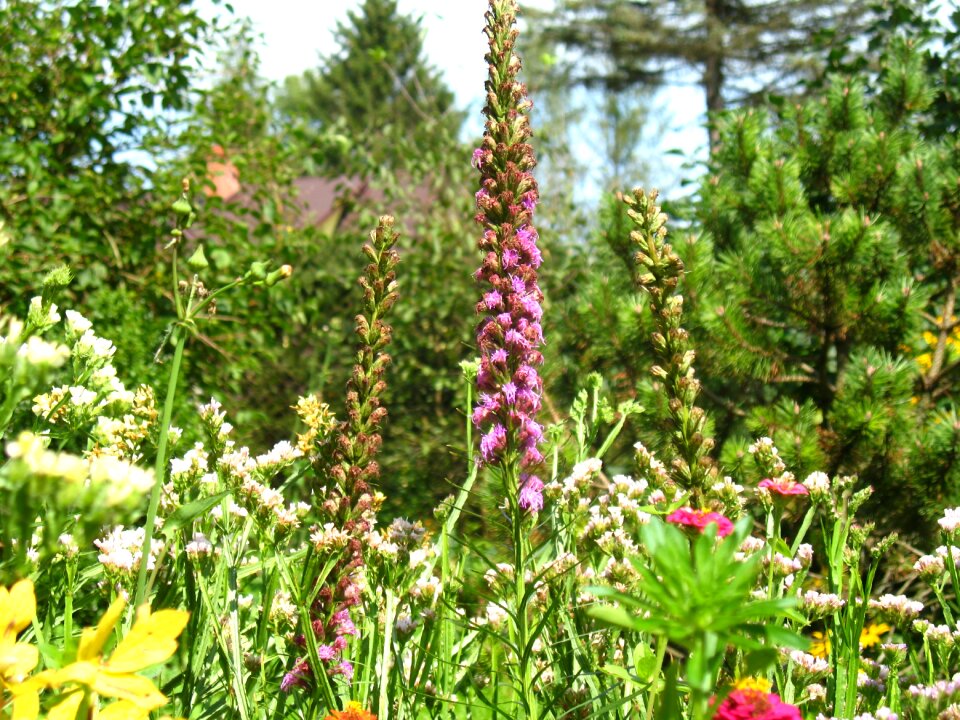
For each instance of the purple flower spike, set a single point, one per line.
(509, 333)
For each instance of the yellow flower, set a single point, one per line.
(870, 635)
(925, 361)
(751, 683)
(151, 640)
(820, 644)
(18, 605)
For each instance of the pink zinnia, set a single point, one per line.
(784, 487)
(699, 519)
(755, 705)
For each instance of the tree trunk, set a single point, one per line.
(713, 67)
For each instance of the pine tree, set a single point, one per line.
(378, 73)
(830, 313)
(739, 48)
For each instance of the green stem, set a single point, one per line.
(520, 600)
(655, 676)
(160, 467)
(68, 608)
(383, 706)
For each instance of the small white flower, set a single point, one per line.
(38, 351)
(950, 521)
(89, 345)
(80, 396)
(77, 324)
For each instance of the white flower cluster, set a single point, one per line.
(817, 484)
(930, 567)
(117, 479)
(262, 501)
(950, 522)
(807, 666)
(615, 517)
(940, 636)
(767, 457)
(818, 605)
(655, 471)
(121, 551)
(573, 492)
(897, 608)
(329, 538)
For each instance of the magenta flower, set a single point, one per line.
(700, 519)
(784, 487)
(509, 334)
(755, 705)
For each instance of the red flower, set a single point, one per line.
(783, 487)
(754, 705)
(699, 519)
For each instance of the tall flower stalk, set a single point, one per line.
(509, 334)
(658, 270)
(347, 455)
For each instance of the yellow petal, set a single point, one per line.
(26, 702)
(123, 710)
(24, 604)
(151, 640)
(78, 672)
(17, 608)
(67, 709)
(123, 686)
(17, 660)
(92, 641)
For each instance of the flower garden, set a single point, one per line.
(153, 565)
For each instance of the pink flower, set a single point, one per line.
(783, 487)
(754, 705)
(699, 519)
(531, 493)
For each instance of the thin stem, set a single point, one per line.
(386, 659)
(160, 467)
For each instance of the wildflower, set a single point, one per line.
(151, 640)
(784, 486)
(77, 324)
(18, 606)
(38, 351)
(871, 634)
(819, 644)
(752, 683)
(815, 692)
(40, 315)
(199, 547)
(807, 666)
(509, 334)
(819, 604)
(897, 608)
(93, 347)
(754, 705)
(700, 519)
(353, 711)
(121, 550)
(930, 567)
(950, 522)
(818, 484)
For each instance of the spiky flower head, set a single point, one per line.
(509, 334)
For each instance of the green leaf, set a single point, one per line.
(188, 513)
